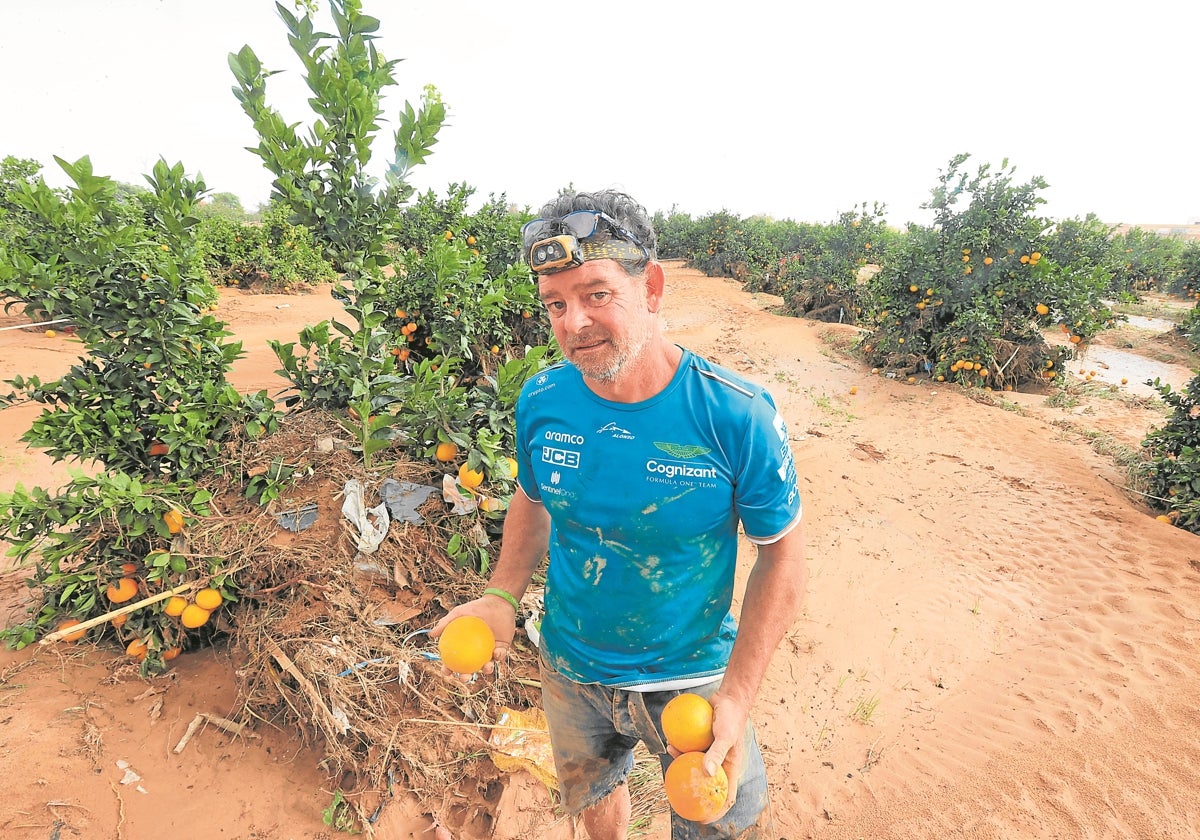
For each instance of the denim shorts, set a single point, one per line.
(593, 730)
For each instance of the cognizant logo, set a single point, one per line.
(675, 469)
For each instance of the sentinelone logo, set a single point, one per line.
(675, 469)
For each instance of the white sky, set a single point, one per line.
(794, 109)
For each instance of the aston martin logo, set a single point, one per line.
(682, 450)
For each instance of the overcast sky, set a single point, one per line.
(797, 110)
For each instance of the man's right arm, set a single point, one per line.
(525, 540)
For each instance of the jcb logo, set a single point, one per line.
(560, 457)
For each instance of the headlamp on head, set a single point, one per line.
(548, 253)
(557, 253)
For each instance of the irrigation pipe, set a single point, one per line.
(39, 324)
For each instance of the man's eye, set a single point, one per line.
(554, 305)
(600, 298)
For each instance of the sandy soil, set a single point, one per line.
(999, 640)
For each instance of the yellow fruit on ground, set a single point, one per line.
(469, 478)
(175, 605)
(693, 794)
(50, 333)
(174, 520)
(193, 616)
(446, 451)
(209, 599)
(467, 644)
(1043, 309)
(73, 636)
(687, 721)
(121, 590)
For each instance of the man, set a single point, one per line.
(637, 462)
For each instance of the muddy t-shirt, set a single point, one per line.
(644, 502)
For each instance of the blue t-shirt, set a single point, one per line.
(644, 502)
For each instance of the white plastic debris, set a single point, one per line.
(370, 531)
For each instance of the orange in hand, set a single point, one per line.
(693, 794)
(687, 721)
(467, 644)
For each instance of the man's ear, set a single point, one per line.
(656, 282)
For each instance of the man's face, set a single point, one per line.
(600, 315)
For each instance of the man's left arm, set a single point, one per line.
(774, 593)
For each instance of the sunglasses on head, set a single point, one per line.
(558, 244)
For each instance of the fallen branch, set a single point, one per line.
(111, 614)
(224, 724)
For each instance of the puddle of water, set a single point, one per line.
(1144, 323)
(1112, 365)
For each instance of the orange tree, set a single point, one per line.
(1151, 262)
(1172, 468)
(967, 298)
(272, 254)
(322, 175)
(148, 402)
(822, 277)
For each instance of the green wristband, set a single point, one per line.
(507, 596)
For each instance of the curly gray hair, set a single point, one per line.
(627, 211)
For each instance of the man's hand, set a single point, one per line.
(500, 617)
(728, 747)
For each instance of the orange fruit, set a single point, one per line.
(467, 644)
(122, 590)
(469, 478)
(209, 599)
(74, 636)
(171, 653)
(174, 520)
(511, 463)
(1043, 309)
(987, 260)
(174, 606)
(137, 649)
(50, 333)
(693, 794)
(687, 723)
(119, 620)
(194, 616)
(1076, 339)
(446, 451)
(127, 569)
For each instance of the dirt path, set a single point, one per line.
(998, 641)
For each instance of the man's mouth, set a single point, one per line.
(587, 345)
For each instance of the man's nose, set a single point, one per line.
(576, 318)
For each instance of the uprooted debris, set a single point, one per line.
(328, 639)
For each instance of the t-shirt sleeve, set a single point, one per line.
(525, 476)
(767, 493)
